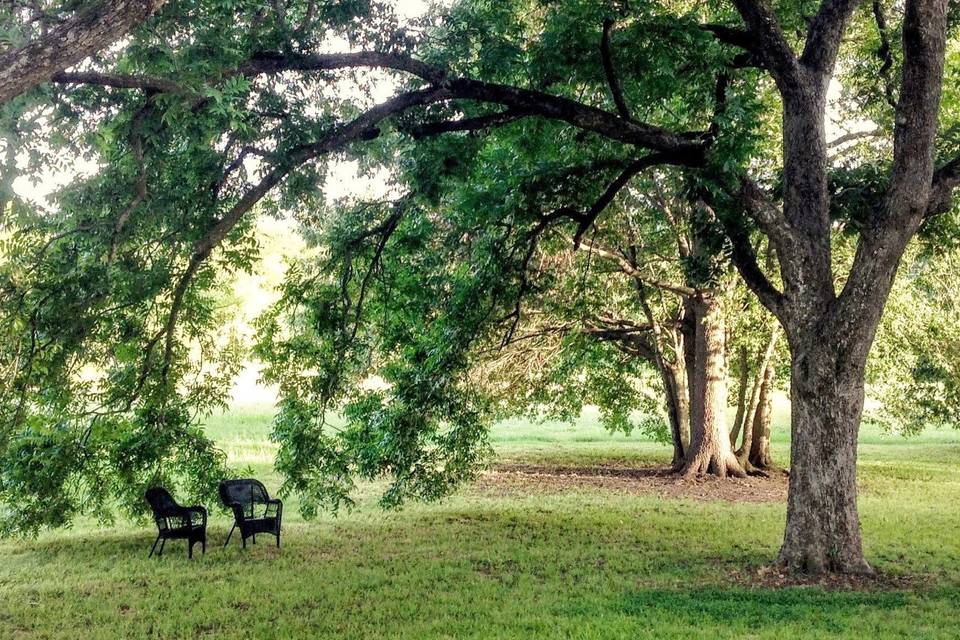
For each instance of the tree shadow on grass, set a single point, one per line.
(816, 610)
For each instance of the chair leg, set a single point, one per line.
(230, 534)
(162, 545)
(243, 540)
(189, 549)
(154, 547)
(254, 538)
(278, 538)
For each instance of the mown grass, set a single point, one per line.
(577, 563)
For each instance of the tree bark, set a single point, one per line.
(759, 455)
(764, 358)
(823, 528)
(678, 410)
(90, 30)
(741, 395)
(710, 451)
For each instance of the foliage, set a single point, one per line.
(916, 366)
(110, 304)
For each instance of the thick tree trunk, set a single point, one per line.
(823, 529)
(710, 451)
(759, 456)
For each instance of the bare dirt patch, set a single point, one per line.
(774, 577)
(512, 479)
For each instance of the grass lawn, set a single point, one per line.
(559, 561)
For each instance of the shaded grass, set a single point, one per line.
(582, 563)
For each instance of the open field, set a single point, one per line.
(566, 540)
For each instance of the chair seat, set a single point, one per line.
(184, 529)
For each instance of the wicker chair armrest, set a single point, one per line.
(238, 512)
(275, 503)
(202, 511)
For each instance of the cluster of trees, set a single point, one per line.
(578, 190)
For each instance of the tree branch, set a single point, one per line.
(476, 123)
(771, 46)
(121, 81)
(745, 260)
(611, 73)
(587, 219)
(824, 35)
(627, 268)
(884, 53)
(88, 31)
(768, 217)
(945, 181)
(687, 148)
(272, 62)
(735, 36)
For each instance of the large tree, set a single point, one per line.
(239, 93)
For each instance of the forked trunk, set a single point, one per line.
(823, 529)
(710, 451)
(759, 394)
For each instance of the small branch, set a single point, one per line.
(626, 267)
(768, 217)
(587, 219)
(745, 259)
(477, 123)
(136, 143)
(945, 181)
(521, 290)
(852, 136)
(885, 55)
(121, 81)
(719, 103)
(610, 72)
(825, 33)
(732, 35)
(771, 45)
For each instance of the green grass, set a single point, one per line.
(579, 563)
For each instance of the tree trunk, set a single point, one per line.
(752, 411)
(678, 409)
(759, 457)
(823, 529)
(710, 451)
(741, 396)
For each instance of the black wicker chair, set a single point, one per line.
(254, 511)
(175, 522)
